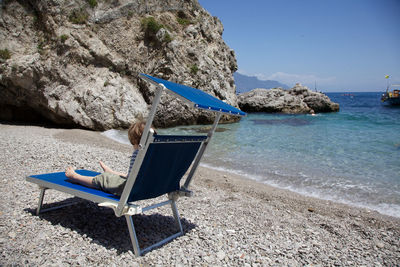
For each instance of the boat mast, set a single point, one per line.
(387, 84)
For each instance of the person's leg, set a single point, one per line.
(77, 178)
(108, 169)
(110, 183)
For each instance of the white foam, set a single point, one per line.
(383, 208)
(116, 135)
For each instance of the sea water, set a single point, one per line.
(351, 156)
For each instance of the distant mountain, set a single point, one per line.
(246, 83)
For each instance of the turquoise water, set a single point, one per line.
(351, 156)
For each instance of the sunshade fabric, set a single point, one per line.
(199, 98)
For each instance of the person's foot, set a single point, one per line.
(70, 172)
(79, 179)
(105, 167)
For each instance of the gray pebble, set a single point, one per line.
(235, 223)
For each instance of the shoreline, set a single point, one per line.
(231, 220)
(383, 208)
(316, 197)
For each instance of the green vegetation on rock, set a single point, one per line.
(151, 28)
(78, 16)
(182, 19)
(150, 25)
(5, 54)
(63, 38)
(92, 3)
(194, 69)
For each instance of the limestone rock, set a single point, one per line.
(318, 102)
(299, 99)
(74, 64)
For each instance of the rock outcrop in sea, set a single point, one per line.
(77, 62)
(297, 100)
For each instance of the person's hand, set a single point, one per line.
(105, 167)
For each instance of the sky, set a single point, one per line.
(337, 45)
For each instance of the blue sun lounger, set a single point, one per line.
(161, 163)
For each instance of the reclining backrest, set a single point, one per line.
(166, 161)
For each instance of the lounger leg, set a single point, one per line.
(133, 236)
(176, 215)
(41, 196)
(132, 232)
(40, 203)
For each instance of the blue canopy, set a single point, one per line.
(199, 98)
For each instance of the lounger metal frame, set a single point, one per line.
(121, 206)
(128, 208)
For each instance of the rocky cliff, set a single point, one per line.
(77, 62)
(299, 99)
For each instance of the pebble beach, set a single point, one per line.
(230, 220)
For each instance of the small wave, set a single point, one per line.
(116, 135)
(292, 175)
(383, 208)
(237, 172)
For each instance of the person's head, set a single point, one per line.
(135, 132)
